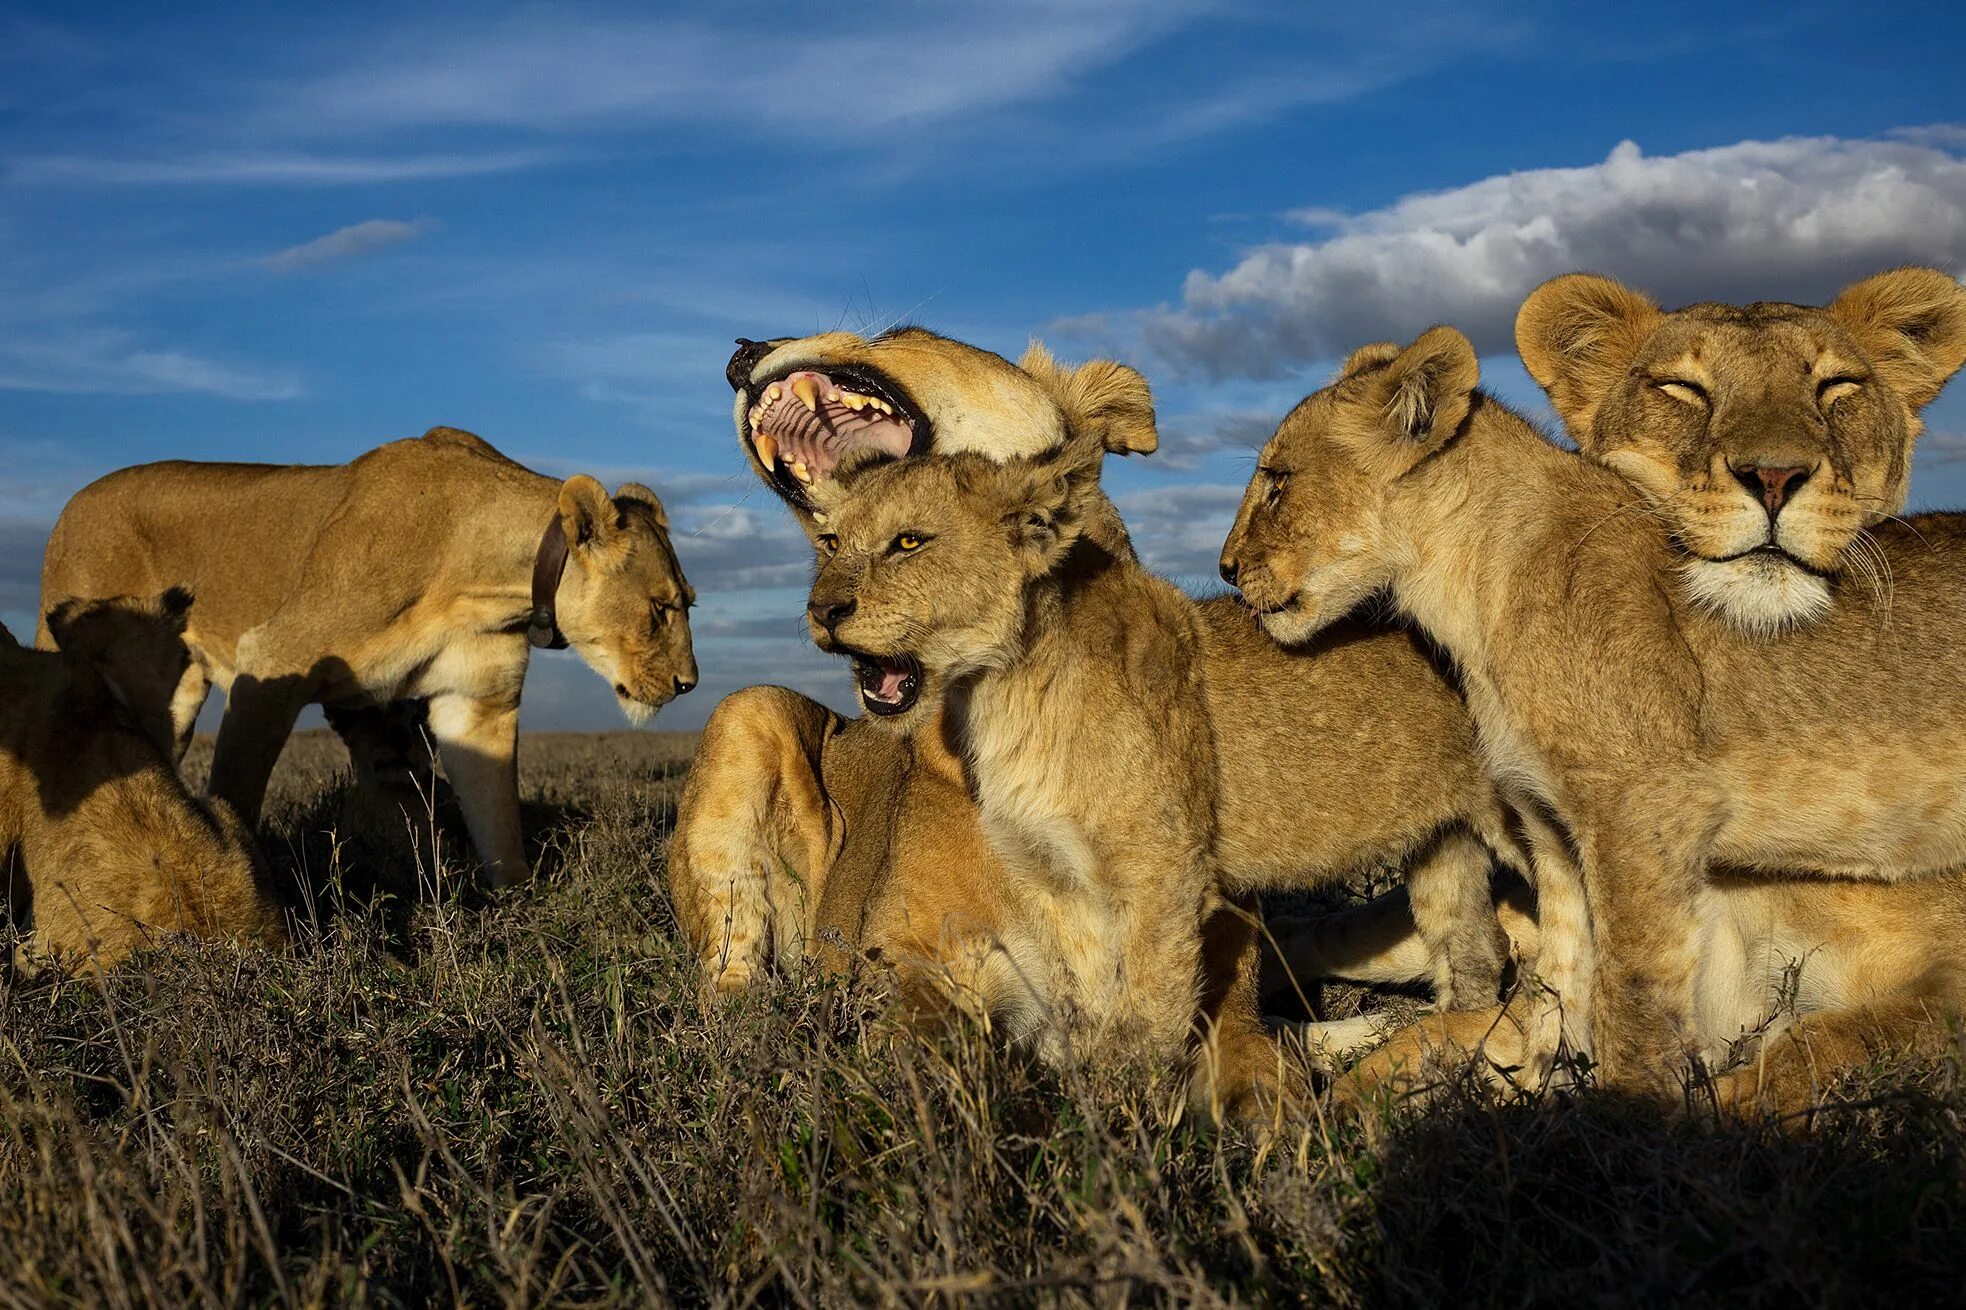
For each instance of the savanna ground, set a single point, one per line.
(518, 1101)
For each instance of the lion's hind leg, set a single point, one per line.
(1788, 1077)
(755, 835)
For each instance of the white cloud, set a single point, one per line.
(791, 69)
(264, 168)
(351, 242)
(111, 362)
(1179, 531)
(1789, 219)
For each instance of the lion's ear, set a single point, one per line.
(1912, 324)
(1042, 500)
(7, 639)
(1104, 400)
(1365, 357)
(1577, 334)
(639, 494)
(1426, 390)
(588, 515)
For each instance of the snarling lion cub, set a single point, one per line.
(114, 850)
(1657, 741)
(801, 831)
(1768, 437)
(418, 571)
(1073, 682)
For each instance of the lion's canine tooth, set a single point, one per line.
(768, 451)
(801, 472)
(807, 393)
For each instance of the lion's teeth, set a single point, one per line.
(853, 400)
(819, 517)
(768, 451)
(807, 393)
(800, 471)
(880, 404)
(772, 393)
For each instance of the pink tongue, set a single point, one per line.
(889, 688)
(817, 438)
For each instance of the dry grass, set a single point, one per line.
(519, 1103)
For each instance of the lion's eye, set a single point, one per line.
(1691, 393)
(658, 613)
(1831, 390)
(1278, 481)
(829, 545)
(909, 542)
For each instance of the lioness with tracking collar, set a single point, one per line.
(425, 569)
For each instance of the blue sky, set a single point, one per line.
(237, 233)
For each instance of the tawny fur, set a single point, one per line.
(1656, 742)
(803, 831)
(1688, 404)
(104, 848)
(403, 575)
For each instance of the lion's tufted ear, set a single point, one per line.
(1042, 500)
(1912, 324)
(1365, 357)
(1577, 334)
(1102, 399)
(1429, 386)
(588, 515)
(639, 494)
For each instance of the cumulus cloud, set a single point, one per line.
(1179, 530)
(1186, 439)
(351, 242)
(1789, 219)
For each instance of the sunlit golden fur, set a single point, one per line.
(800, 831)
(1767, 438)
(1653, 741)
(101, 844)
(403, 575)
(1799, 982)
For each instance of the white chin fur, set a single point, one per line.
(1759, 595)
(636, 712)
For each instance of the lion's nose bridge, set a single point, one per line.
(833, 591)
(1773, 444)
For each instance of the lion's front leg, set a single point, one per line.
(478, 742)
(1240, 1070)
(755, 835)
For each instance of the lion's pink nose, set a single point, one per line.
(1774, 487)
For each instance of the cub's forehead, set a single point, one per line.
(1755, 335)
(914, 492)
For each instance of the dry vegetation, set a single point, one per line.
(439, 1099)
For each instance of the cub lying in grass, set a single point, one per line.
(114, 850)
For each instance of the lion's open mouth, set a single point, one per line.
(804, 425)
(889, 684)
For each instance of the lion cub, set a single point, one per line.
(1653, 738)
(1073, 683)
(114, 849)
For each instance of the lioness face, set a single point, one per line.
(623, 602)
(1768, 436)
(924, 571)
(1309, 543)
(809, 410)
